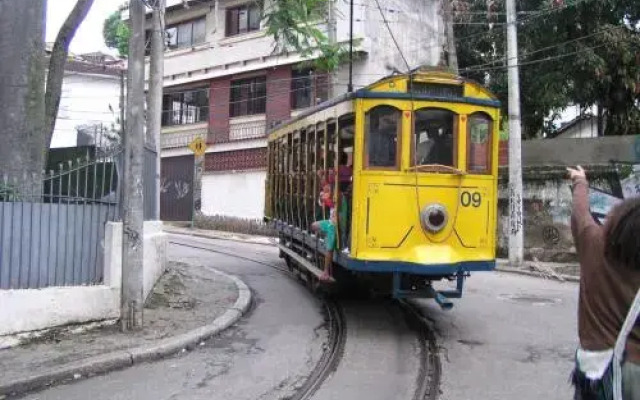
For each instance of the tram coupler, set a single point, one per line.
(442, 301)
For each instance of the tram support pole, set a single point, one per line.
(516, 236)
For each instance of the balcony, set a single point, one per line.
(244, 128)
(180, 136)
(247, 128)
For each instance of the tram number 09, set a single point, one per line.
(471, 199)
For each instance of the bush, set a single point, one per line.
(9, 192)
(233, 224)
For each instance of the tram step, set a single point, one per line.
(303, 262)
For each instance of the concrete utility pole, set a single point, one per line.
(452, 54)
(132, 250)
(350, 85)
(154, 99)
(516, 237)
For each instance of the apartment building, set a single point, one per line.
(223, 81)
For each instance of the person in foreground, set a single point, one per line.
(608, 358)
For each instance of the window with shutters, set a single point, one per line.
(248, 96)
(243, 19)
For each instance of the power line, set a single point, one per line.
(557, 45)
(545, 59)
(393, 36)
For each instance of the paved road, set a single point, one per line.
(510, 337)
(266, 356)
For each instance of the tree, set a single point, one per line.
(57, 62)
(582, 52)
(27, 122)
(116, 32)
(292, 24)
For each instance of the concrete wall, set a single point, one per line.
(35, 309)
(416, 25)
(547, 204)
(85, 100)
(568, 151)
(234, 194)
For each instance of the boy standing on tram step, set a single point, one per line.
(609, 258)
(328, 228)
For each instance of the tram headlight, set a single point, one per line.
(434, 218)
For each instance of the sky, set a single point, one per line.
(88, 38)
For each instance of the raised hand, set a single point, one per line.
(577, 173)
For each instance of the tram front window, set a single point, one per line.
(434, 139)
(383, 126)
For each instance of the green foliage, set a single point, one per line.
(9, 192)
(294, 26)
(582, 52)
(116, 33)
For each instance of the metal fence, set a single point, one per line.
(52, 228)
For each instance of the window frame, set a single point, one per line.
(251, 26)
(253, 81)
(315, 81)
(367, 135)
(455, 129)
(191, 43)
(489, 144)
(204, 116)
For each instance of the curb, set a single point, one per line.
(126, 358)
(218, 237)
(567, 278)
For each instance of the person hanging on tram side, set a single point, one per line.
(609, 258)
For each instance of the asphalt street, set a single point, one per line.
(509, 337)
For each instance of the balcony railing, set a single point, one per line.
(247, 130)
(179, 139)
(236, 131)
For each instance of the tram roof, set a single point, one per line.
(420, 76)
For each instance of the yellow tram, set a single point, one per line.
(412, 163)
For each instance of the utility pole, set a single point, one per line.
(154, 99)
(452, 54)
(516, 237)
(350, 87)
(132, 246)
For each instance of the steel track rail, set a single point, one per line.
(429, 376)
(333, 350)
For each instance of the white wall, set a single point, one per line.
(85, 100)
(35, 309)
(416, 25)
(234, 194)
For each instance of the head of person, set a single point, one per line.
(622, 235)
(344, 158)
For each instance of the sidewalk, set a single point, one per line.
(569, 272)
(189, 304)
(220, 235)
(560, 271)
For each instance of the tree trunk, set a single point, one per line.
(58, 61)
(22, 93)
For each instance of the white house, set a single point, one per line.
(224, 82)
(90, 97)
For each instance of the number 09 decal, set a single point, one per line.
(470, 199)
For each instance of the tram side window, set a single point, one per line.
(479, 130)
(435, 133)
(383, 129)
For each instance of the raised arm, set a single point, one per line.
(583, 225)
